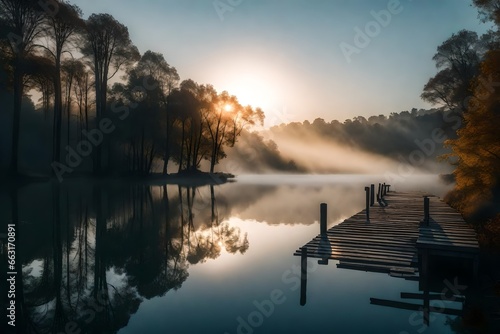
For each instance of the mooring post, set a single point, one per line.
(372, 194)
(426, 211)
(384, 190)
(424, 274)
(379, 194)
(303, 275)
(322, 218)
(367, 191)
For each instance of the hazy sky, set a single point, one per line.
(286, 56)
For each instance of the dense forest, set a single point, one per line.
(100, 98)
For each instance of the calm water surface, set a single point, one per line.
(169, 259)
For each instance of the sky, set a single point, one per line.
(299, 59)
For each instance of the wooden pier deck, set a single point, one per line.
(394, 237)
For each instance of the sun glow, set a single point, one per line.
(228, 108)
(251, 90)
(255, 81)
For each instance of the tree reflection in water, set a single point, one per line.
(101, 249)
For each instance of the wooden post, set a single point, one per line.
(367, 190)
(426, 211)
(303, 275)
(424, 277)
(372, 194)
(383, 190)
(388, 188)
(379, 194)
(322, 218)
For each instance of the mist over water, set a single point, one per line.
(404, 143)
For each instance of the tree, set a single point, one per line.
(225, 122)
(458, 59)
(39, 73)
(154, 65)
(61, 28)
(81, 91)
(489, 10)
(142, 133)
(70, 69)
(187, 104)
(477, 149)
(107, 43)
(20, 25)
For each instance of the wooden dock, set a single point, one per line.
(396, 236)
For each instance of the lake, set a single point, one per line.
(130, 258)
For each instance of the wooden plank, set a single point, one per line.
(432, 296)
(413, 307)
(408, 249)
(374, 268)
(338, 254)
(364, 250)
(449, 246)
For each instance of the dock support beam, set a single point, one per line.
(424, 274)
(372, 194)
(322, 218)
(367, 191)
(303, 275)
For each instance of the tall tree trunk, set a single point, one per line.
(16, 119)
(143, 165)
(181, 158)
(86, 102)
(97, 151)
(57, 112)
(151, 158)
(166, 157)
(68, 108)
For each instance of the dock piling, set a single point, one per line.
(426, 211)
(367, 191)
(322, 218)
(303, 275)
(372, 194)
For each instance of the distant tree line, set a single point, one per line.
(126, 125)
(391, 136)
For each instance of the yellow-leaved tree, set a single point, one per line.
(476, 152)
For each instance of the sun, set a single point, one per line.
(228, 107)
